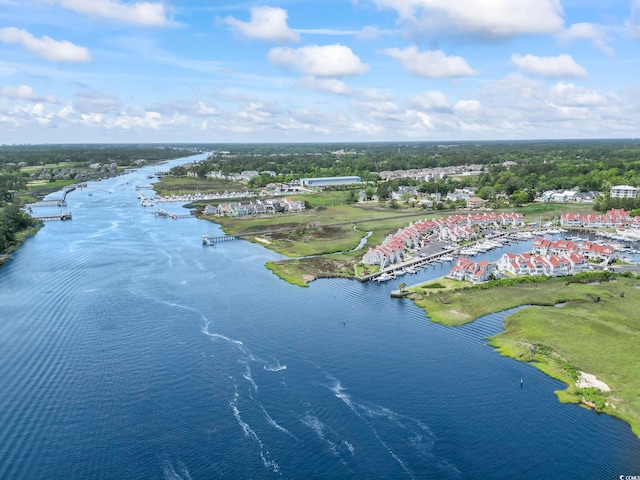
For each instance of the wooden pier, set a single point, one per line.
(165, 214)
(207, 240)
(58, 202)
(50, 218)
(415, 262)
(48, 203)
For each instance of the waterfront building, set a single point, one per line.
(551, 265)
(615, 217)
(475, 272)
(453, 228)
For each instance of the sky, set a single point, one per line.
(222, 71)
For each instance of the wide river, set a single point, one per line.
(129, 350)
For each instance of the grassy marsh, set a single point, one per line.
(597, 330)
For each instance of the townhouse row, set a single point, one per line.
(257, 207)
(613, 218)
(551, 265)
(454, 228)
(547, 257)
(590, 250)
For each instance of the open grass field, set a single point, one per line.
(310, 234)
(325, 198)
(534, 212)
(306, 238)
(51, 166)
(40, 188)
(596, 330)
(190, 185)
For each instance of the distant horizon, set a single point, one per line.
(380, 142)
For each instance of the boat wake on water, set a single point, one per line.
(402, 433)
(170, 472)
(237, 401)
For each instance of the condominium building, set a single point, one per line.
(623, 191)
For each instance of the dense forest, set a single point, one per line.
(125, 155)
(526, 168)
(12, 221)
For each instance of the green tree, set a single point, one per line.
(518, 198)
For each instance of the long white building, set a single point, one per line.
(623, 191)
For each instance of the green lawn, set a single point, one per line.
(596, 331)
(190, 185)
(535, 212)
(324, 198)
(51, 166)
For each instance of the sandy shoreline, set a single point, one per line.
(587, 380)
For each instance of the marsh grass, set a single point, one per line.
(596, 331)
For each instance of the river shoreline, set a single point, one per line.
(539, 334)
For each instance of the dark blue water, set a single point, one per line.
(130, 350)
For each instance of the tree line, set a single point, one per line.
(12, 221)
(525, 169)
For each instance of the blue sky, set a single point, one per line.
(318, 71)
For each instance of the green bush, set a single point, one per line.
(434, 285)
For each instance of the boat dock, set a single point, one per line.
(415, 263)
(175, 216)
(208, 240)
(58, 202)
(63, 216)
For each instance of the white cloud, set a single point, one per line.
(92, 118)
(45, 47)
(369, 33)
(570, 95)
(587, 31)
(204, 109)
(430, 63)
(25, 92)
(495, 18)
(554, 67)
(147, 14)
(431, 100)
(467, 107)
(66, 112)
(267, 23)
(633, 22)
(330, 85)
(319, 61)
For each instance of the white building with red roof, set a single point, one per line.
(551, 265)
(475, 272)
